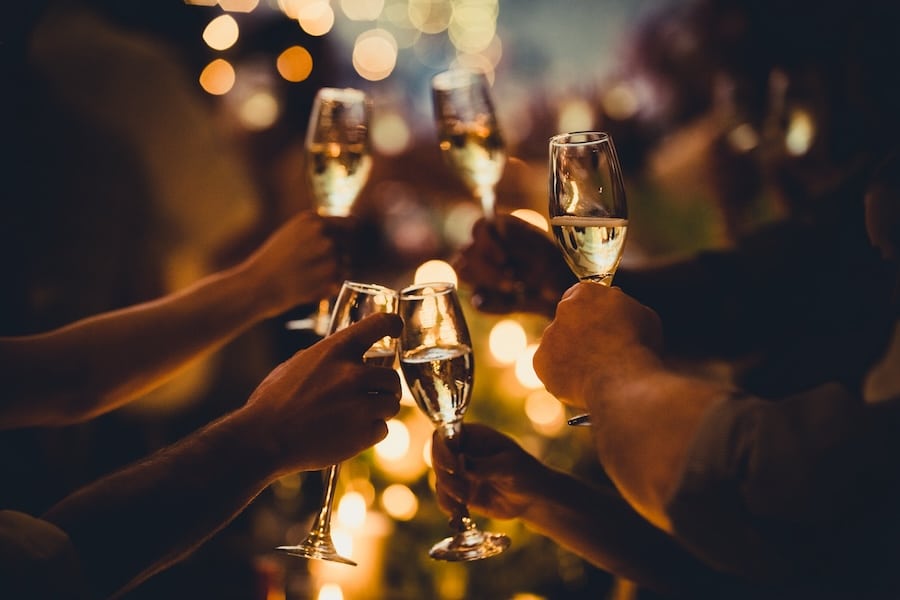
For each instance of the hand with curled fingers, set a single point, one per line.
(488, 471)
(324, 405)
(512, 266)
(600, 336)
(297, 264)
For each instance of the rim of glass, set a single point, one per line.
(579, 138)
(332, 94)
(370, 288)
(439, 288)
(457, 78)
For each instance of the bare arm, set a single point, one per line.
(101, 362)
(498, 478)
(318, 408)
(643, 415)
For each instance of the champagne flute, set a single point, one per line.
(355, 301)
(588, 211)
(469, 136)
(437, 362)
(338, 163)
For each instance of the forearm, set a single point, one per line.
(628, 416)
(597, 524)
(101, 362)
(131, 524)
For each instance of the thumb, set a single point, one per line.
(357, 338)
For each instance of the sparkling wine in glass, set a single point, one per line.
(355, 301)
(468, 132)
(588, 210)
(337, 149)
(338, 163)
(437, 362)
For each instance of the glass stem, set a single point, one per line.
(323, 520)
(460, 521)
(488, 200)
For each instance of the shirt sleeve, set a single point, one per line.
(37, 560)
(771, 490)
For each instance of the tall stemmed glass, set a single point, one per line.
(338, 163)
(588, 210)
(437, 363)
(468, 132)
(355, 301)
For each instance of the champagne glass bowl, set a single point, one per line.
(437, 362)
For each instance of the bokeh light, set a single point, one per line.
(316, 18)
(343, 541)
(525, 370)
(390, 135)
(460, 219)
(533, 217)
(575, 115)
(243, 6)
(258, 110)
(294, 64)
(351, 510)
(221, 33)
(399, 502)
(396, 444)
(620, 102)
(507, 340)
(330, 591)
(375, 54)
(435, 270)
(546, 412)
(743, 138)
(362, 10)
(218, 77)
(800, 133)
(430, 16)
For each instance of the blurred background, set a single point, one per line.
(155, 142)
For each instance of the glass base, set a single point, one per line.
(469, 545)
(316, 546)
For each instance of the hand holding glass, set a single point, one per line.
(437, 363)
(468, 132)
(354, 302)
(338, 163)
(588, 211)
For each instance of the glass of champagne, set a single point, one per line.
(338, 163)
(469, 136)
(588, 211)
(437, 362)
(355, 301)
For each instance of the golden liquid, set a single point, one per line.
(337, 173)
(591, 246)
(440, 380)
(475, 152)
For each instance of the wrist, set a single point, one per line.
(634, 369)
(252, 445)
(253, 288)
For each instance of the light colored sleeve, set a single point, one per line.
(773, 490)
(37, 560)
